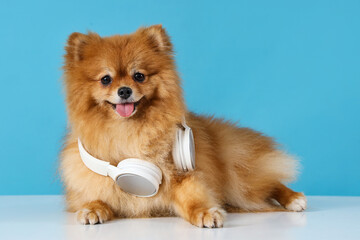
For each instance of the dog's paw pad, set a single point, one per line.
(209, 218)
(298, 204)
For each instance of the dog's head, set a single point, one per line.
(121, 77)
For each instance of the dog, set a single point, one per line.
(124, 100)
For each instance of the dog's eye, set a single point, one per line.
(106, 80)
(139, 77)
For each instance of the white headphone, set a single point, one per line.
(184, 149)
(139, 177)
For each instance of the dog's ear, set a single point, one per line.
(158, 35)
(76, 43)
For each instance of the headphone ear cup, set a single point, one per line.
(138, 177)
(181, 151)
(188, 149)
(192, 149)
(184, 149)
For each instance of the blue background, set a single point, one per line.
(289, 69)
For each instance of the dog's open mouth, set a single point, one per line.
(125, 109)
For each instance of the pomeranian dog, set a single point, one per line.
(124, 100)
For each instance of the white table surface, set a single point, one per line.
(43, 217)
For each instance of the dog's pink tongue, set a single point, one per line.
(125, 109)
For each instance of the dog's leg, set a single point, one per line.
(94, 212)
(293, 201)
(193, 201)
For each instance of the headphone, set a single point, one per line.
(184, 149)
(139, 177)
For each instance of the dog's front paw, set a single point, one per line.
(94, 212)
(209, 218)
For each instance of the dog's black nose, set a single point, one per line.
(124, 92)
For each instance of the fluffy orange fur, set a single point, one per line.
(236, 168)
